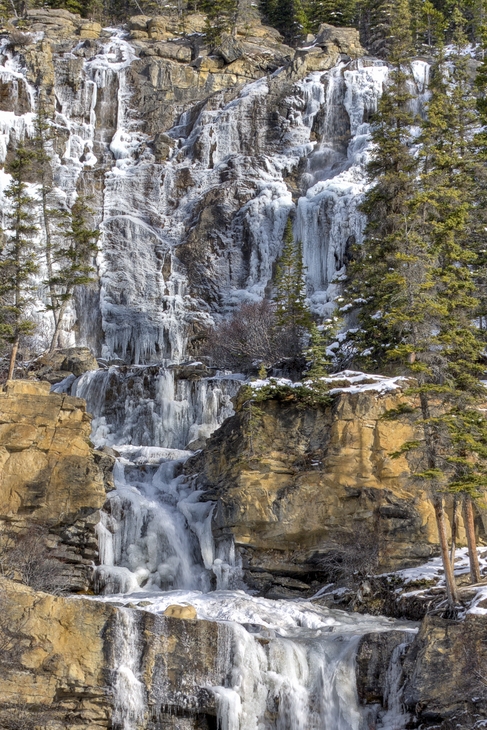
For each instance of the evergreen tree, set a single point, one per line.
(18, 263)
(372, 285)
(334, 12)
(428, 25)
(221, 17)
(320, 339)
(446, 358)
(386, 28)
(290, 17)
(72, 263)
(292, 313)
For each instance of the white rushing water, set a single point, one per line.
(292, 663)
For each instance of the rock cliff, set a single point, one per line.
(50, 475)
(192, 158)
(66, 662)
(301, 488)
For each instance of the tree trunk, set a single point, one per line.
(58, 325)
(471, 540)
(451, 588)
(454, 532)
(13, 358)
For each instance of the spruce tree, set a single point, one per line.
(372, 285)
(292, 313)
(18, 264)
(386, 27)
(221, 17)
(72, 263)
(446, 359)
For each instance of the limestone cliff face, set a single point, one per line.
(294, 483)
(50, 474)
(192, 158)
(61, 656)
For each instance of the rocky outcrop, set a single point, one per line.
(49, 473)
(445, 684)
(58, 365)
(60, 658)
(308, 491)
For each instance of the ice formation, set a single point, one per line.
(292, 664)
(148, 303)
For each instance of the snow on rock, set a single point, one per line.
(186, 239)
(347, 381)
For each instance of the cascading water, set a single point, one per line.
(292, 663)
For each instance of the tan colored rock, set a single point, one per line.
(173, 51)
(49, 472)
(156, 27)
(347, 40)
(139, 22)
(60, 668)
(139, 35)
(310, 480)
(186, 611)
(90, 30)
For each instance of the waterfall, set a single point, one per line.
(395, 718)
(183, 241)
(128, 691)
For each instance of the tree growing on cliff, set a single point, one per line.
(72, 263)
(18, 263)
(292, 312)
(221, 17)
(377, 277)
(436, 336)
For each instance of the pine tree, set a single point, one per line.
(292, 312)
(334, 12)
(386, 28)
(18, 263)
(72, 263)
(221, 17)
(446, 359)
(428, 25)
(372, 285)
(318, 354)
(290, 17)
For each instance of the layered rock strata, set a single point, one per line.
(301, 488)
(50, 475)
(66, 662)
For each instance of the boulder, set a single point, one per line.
(139, 22)
(79, 360)
(347, 40)
(184, 612)
(229, 49)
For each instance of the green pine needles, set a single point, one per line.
(18, 261)
(415, 281)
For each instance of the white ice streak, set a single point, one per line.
(129, 692)
(292, 663)
(151, 407)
